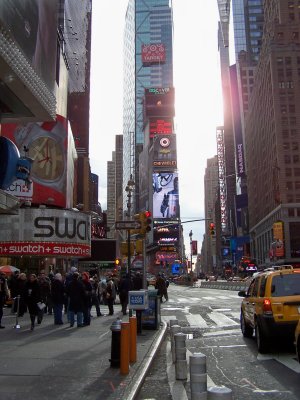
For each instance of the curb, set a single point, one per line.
(138, 378)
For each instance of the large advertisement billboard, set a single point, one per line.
(154, 53)
(160, 126)
(164, 152)
(159, 102)
(165, 195)
(45, 232)
(51, 146)
(32, 24)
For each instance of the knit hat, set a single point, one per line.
(73, 269)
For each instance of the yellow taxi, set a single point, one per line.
(271, 306)
(297, 340)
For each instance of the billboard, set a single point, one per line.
(154, 53)
(161, 126)
(165, 195)
(159, 102)
(33, 26)
(51, 146)
(45, 232)
(167, 237)
(164, 152)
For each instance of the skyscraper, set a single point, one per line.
(148, 23)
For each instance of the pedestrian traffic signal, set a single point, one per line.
(146, 222)
(212, 229)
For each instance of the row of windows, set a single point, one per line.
(294, 212)
(293, 185)
(290, 146)
(289, 172)
(292, 132)
(288, 159)
(286, 85)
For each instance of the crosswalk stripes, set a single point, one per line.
(196, 320)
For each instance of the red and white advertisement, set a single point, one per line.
(153, 53)
(51, 147)
(44, 249)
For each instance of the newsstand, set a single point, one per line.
(151, 316)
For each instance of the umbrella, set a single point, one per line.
(8, 269)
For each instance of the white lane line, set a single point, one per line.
(196, 320)
(208, 298)
(221, 319)
(223, 333)
(222, 297)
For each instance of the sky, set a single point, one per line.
(198, 97)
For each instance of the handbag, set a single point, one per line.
(41, 305)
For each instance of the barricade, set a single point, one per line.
(180, 351)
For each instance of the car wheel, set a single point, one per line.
(246, 329)
(261, 340)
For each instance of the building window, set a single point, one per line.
(291, 212)
(288, 172)
(294, 132)
(290, 85)
(295, 35)
(289, 185)
(297, 185)
(297, 171)
(281, 85)
(295, 146)
(283, 108)
(296, 158)
(287, 159)
(280, 35)
(285, 134)
(298, 212)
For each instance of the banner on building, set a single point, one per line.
(154, 53)
(165, 195)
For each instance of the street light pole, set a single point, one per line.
(191, 244)
(129, 189)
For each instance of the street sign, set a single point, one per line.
(138, 299)
(127, 225)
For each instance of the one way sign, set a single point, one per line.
(127, 225)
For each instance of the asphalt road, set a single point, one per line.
(211, 318)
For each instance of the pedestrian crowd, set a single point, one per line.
(73, 294)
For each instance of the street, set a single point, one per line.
(211, 318)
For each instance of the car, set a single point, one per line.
(297, 340)
(271, 306)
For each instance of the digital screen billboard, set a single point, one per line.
(159, 102)
(165, 195)
(160, 126)
(164, 152)
(154, 53)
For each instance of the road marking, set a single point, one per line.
(223, 333)
(167, 318)
(208, 298)
(285, 359)
(221, 319)
(222, 297)
(196, 320)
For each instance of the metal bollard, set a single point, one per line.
(17, 299)
(180, 351)
(217, 392)
(125, 337)
(174, 329)
(132, 338)
(198, 376)
(115, 343)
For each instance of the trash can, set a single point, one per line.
(151, 316)
(115, 343)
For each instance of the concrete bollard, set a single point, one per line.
(180, 351)
(174, 329)
(173, 322)
(198, 376)
(218, 392)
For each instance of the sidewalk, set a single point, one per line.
(69, 363)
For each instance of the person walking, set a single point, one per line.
(20, 290)
(96, 294)
(58, 298)
(110, 295)
(32, 297)
(125, 285)
(76, 293)
(160, 285)
(45, 290)
(88, 289)
(4, 294)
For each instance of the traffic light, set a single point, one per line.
(138, 219)
(146, 222)
(212, 230)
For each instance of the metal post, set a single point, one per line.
(129, 255)
(174, 329)
(181, 362)
(198, 376)
(17, 326)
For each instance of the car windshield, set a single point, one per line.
(286, 285)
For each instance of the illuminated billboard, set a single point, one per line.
(165, 195)
(154, 53)
(51, 146)
(159, 102)
(45, 232)
(167, 237)
(160, 126)
(164, 152)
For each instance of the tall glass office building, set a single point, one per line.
(148, 22)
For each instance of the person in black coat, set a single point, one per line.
(32, 297)
(58, 298)
(137, 281)
(75, 291)
(20, 290)
(125, 285)
(88, 289)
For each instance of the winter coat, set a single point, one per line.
(125, 286)
(161, 286)
(57, 292)
(32, 297)
(76, 293)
